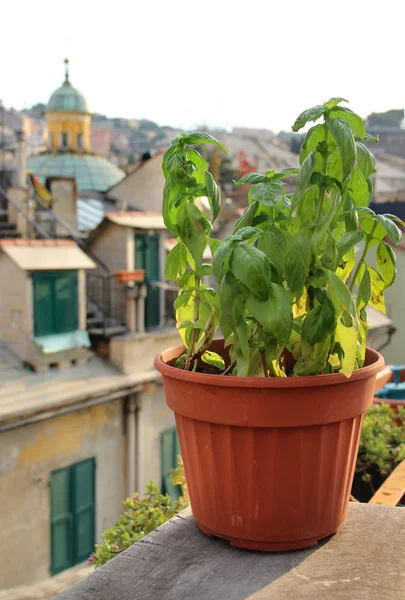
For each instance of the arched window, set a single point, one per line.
(64, 141)
(79, 141)
(51, 141)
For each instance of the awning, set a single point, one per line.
(44, 258)
(137, 220)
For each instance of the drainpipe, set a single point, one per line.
(20, 156)
(132, 409)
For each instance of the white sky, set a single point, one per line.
(256, 63)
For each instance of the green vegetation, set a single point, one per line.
(288, 277)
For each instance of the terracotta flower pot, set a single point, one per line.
(127, 276)
(269, 462)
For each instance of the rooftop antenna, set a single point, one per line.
(66, 61)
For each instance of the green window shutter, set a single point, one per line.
(72, 515)
(61, 521)
(66, 301)
(140, 249)
(83, 495)
(56, 304)
(43, 304)
(169, 450)
(147, 256)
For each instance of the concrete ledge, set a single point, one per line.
(364, 561)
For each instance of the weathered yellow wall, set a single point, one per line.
(28, 455)
(71, 123)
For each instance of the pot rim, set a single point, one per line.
(375, 363)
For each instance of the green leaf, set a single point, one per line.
(219, 258)
(252, 268)
(306, 170)
(311, 114)
(393, 230)
(342, 294)
(334, 102)
(213, 359)
(274, 314)
(170, 191)
(345, 142)
(313, 359)
(202, 138)
(319, 322)
(358, 188)
(314, 136)
(306, 208)
(347, 338)
(231, 301)
(214, 244)
(247, 218)
(251, 179)
(364, 291)
(386, 263)
(365, 159)
(283, 174)
(325, 224)
(213, 195)
(273, 243)
(297, 262)
(191, 226)
(355, 122)
(377, 290)
(330, 257)
(196, 158)
(348, 241)
(176, 262)
(270, 194)
(371, 138)
(334, 167)
(243, 234)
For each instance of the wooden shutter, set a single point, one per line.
(43, 304)
(83, 508)
(66, 301)
(61, 521)
(170, 449)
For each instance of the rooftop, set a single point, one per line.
(91, 172)
(67, 98)
(25, 395)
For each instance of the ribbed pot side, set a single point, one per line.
(269, 463)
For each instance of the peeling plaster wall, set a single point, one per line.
(153, 417)
(27, 457)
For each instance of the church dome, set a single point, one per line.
(67, 98)
(93, 173)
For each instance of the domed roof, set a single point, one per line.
(67, 98)
(91, 172)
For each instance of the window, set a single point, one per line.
(64, 141)
(51, 140)
(55, 302)
(79, 141)
(72, 505)
(147, 257)
(169, 451)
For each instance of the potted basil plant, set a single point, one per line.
(269, 417)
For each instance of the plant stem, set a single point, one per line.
(195, 319)
(362, 258)
(262, 351)
(230, 368)
(322, 188)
